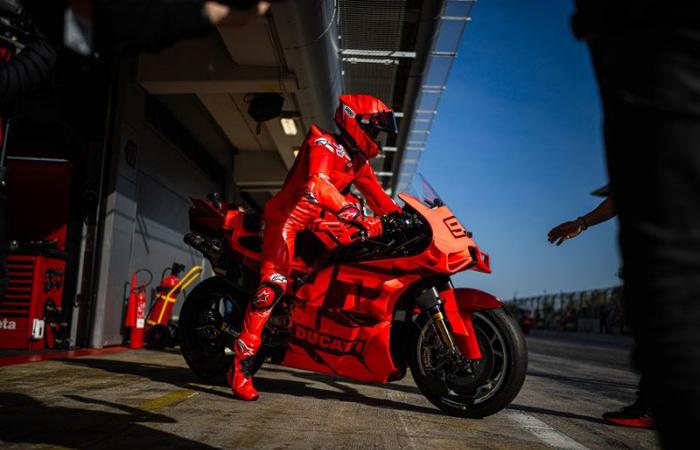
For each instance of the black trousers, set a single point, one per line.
(649, 80)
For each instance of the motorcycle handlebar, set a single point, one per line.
(361, 234)
(401, 222)
(392, 224)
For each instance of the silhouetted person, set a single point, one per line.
(646, 56)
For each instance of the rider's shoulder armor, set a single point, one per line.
(319, 137)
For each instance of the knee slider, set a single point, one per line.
(270, 291)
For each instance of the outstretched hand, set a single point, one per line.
(564, 231)
(220, 12)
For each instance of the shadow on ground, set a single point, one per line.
(341, 389)
(25, 420)
(581, 381)
(550, 412)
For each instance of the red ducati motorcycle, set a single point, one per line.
(364, 309)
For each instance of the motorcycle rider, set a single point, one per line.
(326, 165)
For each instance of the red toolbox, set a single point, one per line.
(30, 313)
(38, 212)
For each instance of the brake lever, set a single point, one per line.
(362, 234)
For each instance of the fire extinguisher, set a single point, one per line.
(160, 333)
(169, 281)
(136, 310)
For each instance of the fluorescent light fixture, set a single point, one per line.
(289, 126)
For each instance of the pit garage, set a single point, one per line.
(126, 142)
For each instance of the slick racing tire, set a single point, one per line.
(207, 353)
(493, 381)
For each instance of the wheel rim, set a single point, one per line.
(206, 350)
(489, 372)
(501, 359)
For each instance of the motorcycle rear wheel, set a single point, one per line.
(211, 302)
(496, 379)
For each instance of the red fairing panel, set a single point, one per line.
(343, 325)
(470, 300)
(459, 305)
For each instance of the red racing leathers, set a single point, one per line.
(323, 168)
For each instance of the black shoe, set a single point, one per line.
(635, 415)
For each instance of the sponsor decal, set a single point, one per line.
(263, 296)
(8, 324)
(328, 343)
(347, 110)
(348, 214)
(326, 143)
(245, 350)
(311, 197)
(333, 147)
(278, 278)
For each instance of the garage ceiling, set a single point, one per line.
(309, 51)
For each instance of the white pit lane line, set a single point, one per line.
(542, 431)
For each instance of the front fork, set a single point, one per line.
(454, 327)
(429, 300)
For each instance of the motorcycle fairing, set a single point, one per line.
(238, 236)
(472, 300)
(452, 248)
(342, 321)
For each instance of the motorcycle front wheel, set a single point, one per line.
(482, 389)
(208, 351)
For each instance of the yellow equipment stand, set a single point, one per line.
(164, 303)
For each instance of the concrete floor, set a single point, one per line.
(148, 399)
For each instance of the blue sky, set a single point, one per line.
(516, 148)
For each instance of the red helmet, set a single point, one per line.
(361, 117)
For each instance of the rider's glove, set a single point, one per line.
(373, 226)
(349, 213)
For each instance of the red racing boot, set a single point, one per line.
(636, 416)
(240, 375)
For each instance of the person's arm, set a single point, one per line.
(225, 13)
(379, 201)
(131, 26)
(319, 189)
(26, 71)
(567, 230)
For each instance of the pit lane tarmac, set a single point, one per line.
(150, 399)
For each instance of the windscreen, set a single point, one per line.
(424, 191)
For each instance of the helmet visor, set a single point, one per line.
(374, 123)
(385, 121)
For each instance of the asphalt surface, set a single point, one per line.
(148, 399)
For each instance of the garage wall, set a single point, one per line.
(117, 211)
(166, 180)
(144, 213)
